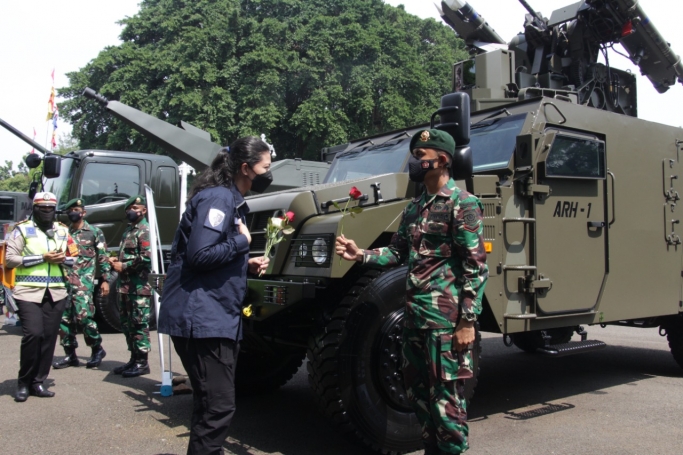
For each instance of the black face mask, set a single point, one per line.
(132, 215)
(261, 182)
(74, 216)
(42, 219)
(417, 169)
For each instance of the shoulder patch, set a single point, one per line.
(16, 233)
(470, 219)
(214, 219)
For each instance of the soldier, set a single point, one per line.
(80, 308)
(38, 250)
(133, 266)
(441, 238)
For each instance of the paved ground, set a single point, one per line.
(626, 399)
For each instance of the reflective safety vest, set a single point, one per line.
(37, 242)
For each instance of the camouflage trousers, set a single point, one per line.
(434, 377)
(134, 313)
(78, 314)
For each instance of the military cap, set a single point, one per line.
(137, 199)
(78, 202)
(45, 198)
(433, 139)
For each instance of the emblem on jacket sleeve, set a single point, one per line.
(215, 218)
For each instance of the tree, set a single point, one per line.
(307, 73)
(12, 180)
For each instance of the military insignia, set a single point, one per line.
(73, 249)
(46, 197)
(214, 219)
(424, 137)
(471, 220)
(137, 200)
(78, 202)
(16, 234)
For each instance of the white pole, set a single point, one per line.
(158, 267)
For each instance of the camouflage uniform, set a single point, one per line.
(80, 308)
(134, 291)
(441, 238)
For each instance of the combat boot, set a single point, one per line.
(124, 367)
(139, 368)
(69, 361)
(98, 353)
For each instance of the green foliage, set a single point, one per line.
(12, 180)
(307, 73)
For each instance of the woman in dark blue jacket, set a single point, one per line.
(201, 305)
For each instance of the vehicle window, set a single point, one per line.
(366, 162)
(61, 186)
(107, 182)
(494, 141)
(7, 209)
(167, 191)
(575, 157)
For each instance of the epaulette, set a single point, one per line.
(60, 224)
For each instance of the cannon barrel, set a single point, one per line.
(24, 137)
(190, 145)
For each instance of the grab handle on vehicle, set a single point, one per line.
(614, 205)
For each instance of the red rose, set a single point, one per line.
(289, 216)
(355, 193)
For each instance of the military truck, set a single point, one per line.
(14, 206)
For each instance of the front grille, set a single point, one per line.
(312, 250)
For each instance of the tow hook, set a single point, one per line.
(507, 340)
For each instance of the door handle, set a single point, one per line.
(596, 224)
(614, 204)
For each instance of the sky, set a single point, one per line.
(38, 36)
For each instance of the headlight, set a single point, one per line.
(319, 252)
(312, 250)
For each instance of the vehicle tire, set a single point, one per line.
(674, 335)
(530, 341)
(107, 308)
(354, 365)
(264, 370)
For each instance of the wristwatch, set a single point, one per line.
(470, 317)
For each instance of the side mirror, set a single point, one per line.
(455, 117)
(33, 160)
(52, 166)
(462, 167)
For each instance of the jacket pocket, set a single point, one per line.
(435, 245)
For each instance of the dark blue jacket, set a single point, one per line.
(207, 279)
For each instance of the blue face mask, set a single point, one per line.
(417, 169)
(132, 215)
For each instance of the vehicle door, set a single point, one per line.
(571, 222)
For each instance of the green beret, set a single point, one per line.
(433, 139)
(74, 203)
(137, 199)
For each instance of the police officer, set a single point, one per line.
(201, 304)
(39, 250)
(441, 239)
(80, 308)
(133, 266)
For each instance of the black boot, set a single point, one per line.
(139, 368)
(98, 353)
(122, 368)
(39, 390)
(69, 361)
(21, 394)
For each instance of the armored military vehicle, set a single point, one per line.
(14, 206)
(582, 224)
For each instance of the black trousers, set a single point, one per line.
(210, 363)
(40, 325)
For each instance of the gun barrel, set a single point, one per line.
(531, 10)
(192, 147)
(24, 137)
